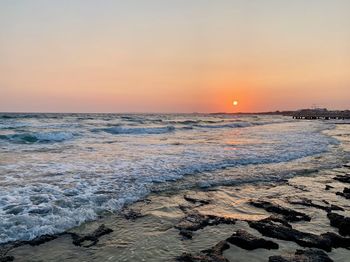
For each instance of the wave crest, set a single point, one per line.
(29, 138)
(117, 130)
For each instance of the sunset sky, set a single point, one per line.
(173, 55)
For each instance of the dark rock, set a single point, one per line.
(247, 241)
(342, 178)
(347, 165)
(276, 219)
(328, 187)
(93, 237)
(275, 229)
(7, 259)
(340, 222)
(185, 208)
(289, 214)
(195, 200)
(216, 251)
(195, 221)
(41, 240)
(131, 214)
(309, 203)
(213, 254)
(335, 207)
(336, 240)
(345, 193)
(187, 234)
(187, 257)
(308, 255)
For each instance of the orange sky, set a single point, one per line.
(173, 56)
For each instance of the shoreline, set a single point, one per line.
(198, 220)
(210, 224)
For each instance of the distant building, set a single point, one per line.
(321, 113)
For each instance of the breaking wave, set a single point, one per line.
(29, 138)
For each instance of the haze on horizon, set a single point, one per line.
(173, 56)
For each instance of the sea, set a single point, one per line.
(58, 171)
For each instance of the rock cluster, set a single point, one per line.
(288, 214)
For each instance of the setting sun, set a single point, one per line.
(235, 102)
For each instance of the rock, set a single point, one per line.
(7, 259)
(187, 257)
(308, 255)
(309, 203)
(41, 240)
(213, 254)
(185, 208)
(328, 187)
(243, 239)
(342, 178)
(77, 240)
(289, 214)
(347, 165)
(345, 193)
(335, 207)
(272, 228)
(131, 214)
(336, 240)
(195, 200)
(195, 221)
(340, 222)
(93, 237)
(325, 201)
(187, 234)
(278, 220)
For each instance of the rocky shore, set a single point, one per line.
(303, 218)
(306, 218)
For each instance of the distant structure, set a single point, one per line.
(321, 113)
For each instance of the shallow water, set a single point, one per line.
(60, 170)
(153, 237)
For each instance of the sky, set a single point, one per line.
(173, 55)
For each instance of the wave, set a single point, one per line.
(27, 115)
(230, 125)
(29, 138)
(117, 130)
(240, 124)
(190, 122)
(62, 208)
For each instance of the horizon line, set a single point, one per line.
(164, 113)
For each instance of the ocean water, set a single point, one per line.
(60, 170)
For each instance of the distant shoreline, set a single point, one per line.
(277, 112)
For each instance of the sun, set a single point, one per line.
(235, 103)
